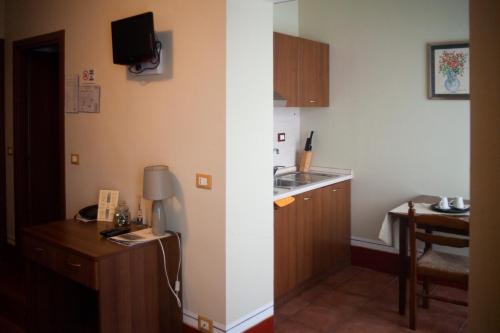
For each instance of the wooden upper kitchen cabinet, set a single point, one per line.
(311, 237)
(301, 71)
(286, 68)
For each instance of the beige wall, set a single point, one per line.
(179, 122)
(380, 122)
(484, 292)
(249, 129)
(2, 18)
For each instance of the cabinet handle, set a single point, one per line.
(305, 199)
(39, 249)
(312, 101)
(73, 266)
(334, 190)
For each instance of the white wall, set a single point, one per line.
(178, 121)
(286, 18)
(249, 191)
(286, 120)
(380, 122)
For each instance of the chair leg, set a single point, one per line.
(425, 300)
(413, 303)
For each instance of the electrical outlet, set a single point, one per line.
(203, 181)
(205, 325)
(281, 137)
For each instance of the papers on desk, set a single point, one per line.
(137, 237)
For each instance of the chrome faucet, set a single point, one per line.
(276, 168)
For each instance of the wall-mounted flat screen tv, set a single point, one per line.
(133, 39)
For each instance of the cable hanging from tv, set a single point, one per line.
(155, 61)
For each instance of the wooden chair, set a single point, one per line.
(434, 266)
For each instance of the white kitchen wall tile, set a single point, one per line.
(286, 120)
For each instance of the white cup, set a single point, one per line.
(459, 203)
(443, 204)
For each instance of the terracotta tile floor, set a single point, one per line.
(358, 300)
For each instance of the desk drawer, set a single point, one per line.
(39, 251)
(77, 268)
(73, 266)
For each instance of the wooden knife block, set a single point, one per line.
(305, 161)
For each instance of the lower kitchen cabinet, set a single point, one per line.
(311, 237)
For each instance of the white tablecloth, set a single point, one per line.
(387, 232)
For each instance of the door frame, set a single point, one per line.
(20, 49)
(3, 186)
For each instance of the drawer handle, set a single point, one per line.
(334, 190)
(305, 199)
(39, 249)
(73, 266)
(312, 101)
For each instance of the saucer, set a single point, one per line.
(451, 210)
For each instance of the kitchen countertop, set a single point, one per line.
(344, 174)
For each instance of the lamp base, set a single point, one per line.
(158, 219)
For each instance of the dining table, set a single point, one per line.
(399, 215)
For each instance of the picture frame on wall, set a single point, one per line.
(448, 70)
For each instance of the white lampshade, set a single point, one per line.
(157, 183)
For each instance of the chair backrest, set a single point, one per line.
(439, 223)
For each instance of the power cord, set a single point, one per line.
(155, 61)
(177, 286)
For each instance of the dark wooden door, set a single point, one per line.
(3, 216)
(39, 130)
(313, 73)
(286, 67)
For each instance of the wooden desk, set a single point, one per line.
(79, 282)
(403, 246)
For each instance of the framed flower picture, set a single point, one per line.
(448, 76)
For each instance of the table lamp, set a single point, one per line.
(157, 186)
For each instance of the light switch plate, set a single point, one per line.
(75, 159)
(203, 181)
(281, 137)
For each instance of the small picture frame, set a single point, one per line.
(448, 70)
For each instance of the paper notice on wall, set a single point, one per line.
(71, 93)
(89, 99)
(108, 200)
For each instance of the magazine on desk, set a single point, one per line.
(137, 237)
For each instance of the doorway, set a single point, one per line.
(39, 172)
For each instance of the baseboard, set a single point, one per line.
(385, 262)
(256, 322)
(266, 326)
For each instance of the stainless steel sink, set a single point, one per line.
(294, 179)
(286, 183)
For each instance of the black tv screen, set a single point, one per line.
(133, 39)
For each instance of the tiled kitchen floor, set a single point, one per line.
(358, 300)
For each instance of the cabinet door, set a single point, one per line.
(314, 71)
(342, 246)
(286, 67)
(285, 249)
(305, 219)
(328, 221)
